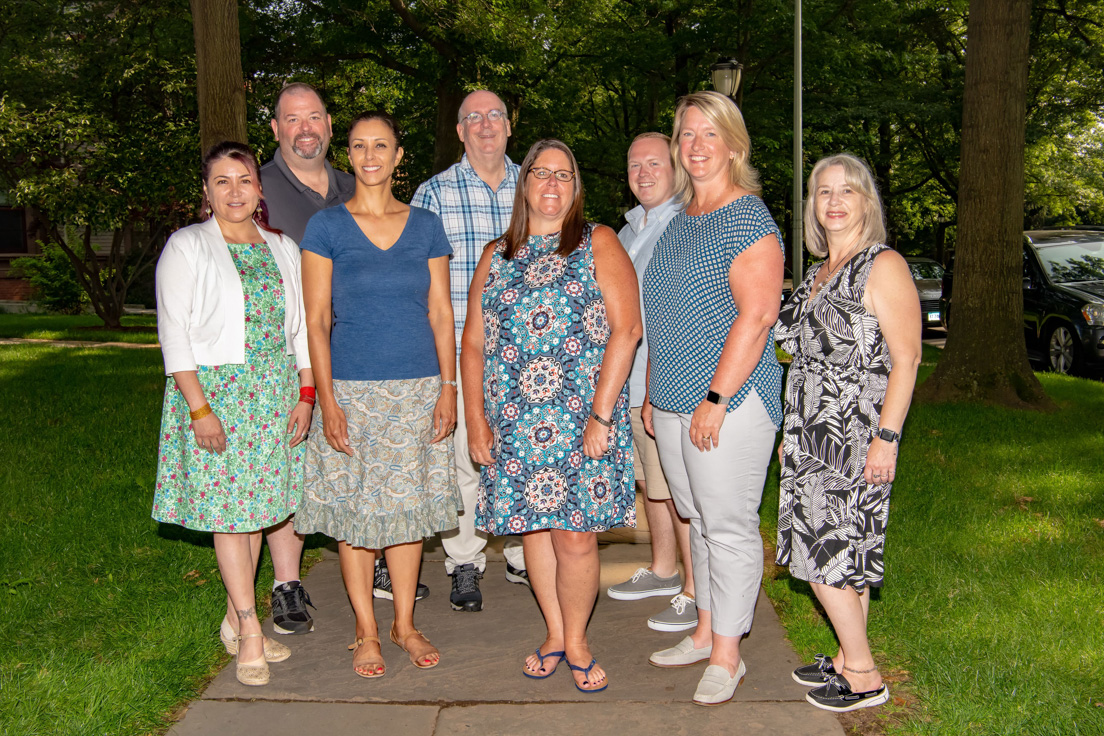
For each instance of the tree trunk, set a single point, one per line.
(447, 146)
(221, 88)
(985, 359)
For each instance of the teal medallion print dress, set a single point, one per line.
(255, 483)
(544, 336)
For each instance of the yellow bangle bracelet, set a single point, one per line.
(200, 412)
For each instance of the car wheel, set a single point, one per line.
(1062, 350)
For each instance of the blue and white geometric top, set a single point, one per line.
(690, 310)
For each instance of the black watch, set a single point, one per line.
(715, 398)
(889, 435)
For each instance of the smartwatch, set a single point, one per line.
(715, 398)
(889, 435)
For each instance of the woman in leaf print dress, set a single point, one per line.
(553, 322)
(240, 390)
(853, 329)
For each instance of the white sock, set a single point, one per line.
(277, 583)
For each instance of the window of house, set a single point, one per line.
(13, 234)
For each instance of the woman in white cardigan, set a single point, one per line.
(240, 391)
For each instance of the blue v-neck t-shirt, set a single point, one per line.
(381, 327)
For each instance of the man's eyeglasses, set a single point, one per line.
(475, 118)
(561, 174)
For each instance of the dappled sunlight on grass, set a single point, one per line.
(994, 597)
(81, 327)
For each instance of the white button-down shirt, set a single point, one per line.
(639, 237)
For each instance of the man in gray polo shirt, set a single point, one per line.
(297, 182)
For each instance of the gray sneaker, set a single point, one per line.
(681, 615)
(644, 584)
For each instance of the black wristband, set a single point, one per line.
(600, 420)
(889, 435)
(715, 398)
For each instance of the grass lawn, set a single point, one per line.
(110, 620)
(992, 615)
(81, 327)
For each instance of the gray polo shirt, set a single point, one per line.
(291, 202)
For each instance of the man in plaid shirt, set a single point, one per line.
(474, 199)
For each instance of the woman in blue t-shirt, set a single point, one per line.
(711, 296)
(380, 474)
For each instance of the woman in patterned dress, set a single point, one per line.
(711, 295)
(240, 390)
(853, 329)
(553, 322)
(380, 472)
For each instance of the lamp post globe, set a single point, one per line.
(726, 75)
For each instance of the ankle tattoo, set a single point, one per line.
(246, 613)
(860, 672)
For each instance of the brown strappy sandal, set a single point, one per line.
(414, 659)
(371, 664)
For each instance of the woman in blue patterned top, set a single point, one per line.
(553, 322)
(711, 296)
(380, 474)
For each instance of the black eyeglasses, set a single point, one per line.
(475, 118)
(561, 174)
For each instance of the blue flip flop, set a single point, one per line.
(525, 670)
(586, 672)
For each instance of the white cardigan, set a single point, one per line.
(200, 304)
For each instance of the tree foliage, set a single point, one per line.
(96, 116)
(102, 96)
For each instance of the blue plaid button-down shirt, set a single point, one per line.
(473, 215)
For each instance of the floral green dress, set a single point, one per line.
(256, 482)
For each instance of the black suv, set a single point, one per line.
(1063, 293)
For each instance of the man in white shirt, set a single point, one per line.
(474, 200)
(652, 181)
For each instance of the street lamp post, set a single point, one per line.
(798, 169)
(726, 75)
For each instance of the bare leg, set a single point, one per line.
(663, 537)
(403, 562)
(237, 560)
(703, 633)
(255, 554)
(577, 570)
(286, 547)
(357, 569)
(541, 560)
(848, 612)
(681, 529)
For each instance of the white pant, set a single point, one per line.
(719, 493)
(464, 545)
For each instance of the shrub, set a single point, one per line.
(53, 285)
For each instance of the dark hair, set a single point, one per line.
(574, 224)
(295, 87)
(240, 153)
(381, 115)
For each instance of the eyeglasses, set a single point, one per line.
(475, 118)
(561, 174)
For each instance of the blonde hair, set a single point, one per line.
(857, 175)
(652, 134)
(726, 118)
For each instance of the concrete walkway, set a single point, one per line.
(479, 688)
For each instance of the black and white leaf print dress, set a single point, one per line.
(831, 524)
